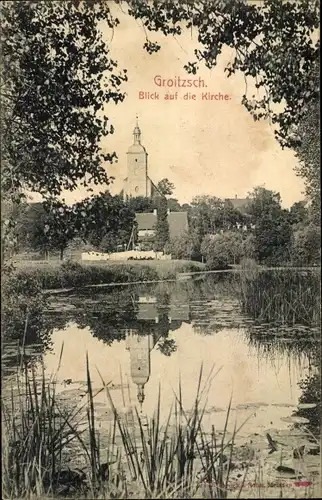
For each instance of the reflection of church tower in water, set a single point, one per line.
(140, 347)
(141, 339)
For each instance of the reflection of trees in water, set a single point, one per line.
(32, 345)
(23, 323)
(110, 314)
(165, 345)
(213, 303)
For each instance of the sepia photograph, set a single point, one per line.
(160, 249)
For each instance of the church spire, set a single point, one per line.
(137, 132)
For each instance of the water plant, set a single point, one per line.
(156, 459)
(285, 297)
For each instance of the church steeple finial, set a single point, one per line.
(141, 395)
(137, 132)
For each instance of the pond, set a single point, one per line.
(148, 338)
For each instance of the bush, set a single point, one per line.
(184, 247)
(23, 305)
(213, 252)
(221, 250)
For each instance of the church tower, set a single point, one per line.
(137, 182)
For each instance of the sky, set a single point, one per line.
(203, 146)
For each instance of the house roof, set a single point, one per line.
(178, 222)
(146, 220)
(239, 203)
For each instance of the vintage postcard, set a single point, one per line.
(161, 246)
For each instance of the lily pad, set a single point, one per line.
(295, 420)
(245, 406)
(306, 406)
(283, 405)
(288, 472)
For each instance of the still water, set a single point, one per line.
(143, 338)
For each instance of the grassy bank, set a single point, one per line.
(55, 275)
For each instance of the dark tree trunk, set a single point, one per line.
(61, 254)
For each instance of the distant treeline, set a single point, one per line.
(219, 234)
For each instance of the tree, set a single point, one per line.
(262, 201)
(141, 204)
(308, 153)
(30, 227)
(306, 247)
(213, 249)
(162, 226)
(298, 213)
(272, 44)
(56, 77)
(60, 226)
(209, 214)
(104, 221)
(272, 238)
(165, 187)
(45, 226)
(272, 233)
(174, 205)
(10, 234)
(275, 44)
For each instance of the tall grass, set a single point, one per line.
(74, 274)
(34, 435)
(286, 298)
(171, 459)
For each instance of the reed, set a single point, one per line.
(282, 297)
(156, 459)
(34, 436)
(176, 459)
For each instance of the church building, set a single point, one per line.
(137, 182)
